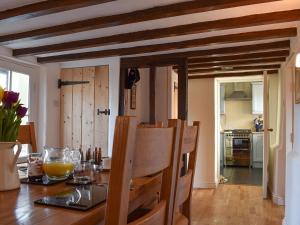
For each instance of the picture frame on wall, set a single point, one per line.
(133, 97)
(297, 85)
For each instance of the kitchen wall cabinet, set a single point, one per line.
(257, 150)
(257, 98)
(222, 99)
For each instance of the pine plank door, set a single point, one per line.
(81, 124)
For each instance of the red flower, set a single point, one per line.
(21, 111)
(10, 98)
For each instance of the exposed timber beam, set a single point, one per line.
(231, 38)
(238, 62)
(256, 55)
(231, 23)
(44, 8)
(176, 9)
(233, 69)
(237, 74)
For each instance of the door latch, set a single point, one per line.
(105, 112)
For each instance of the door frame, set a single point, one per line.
(218, 82)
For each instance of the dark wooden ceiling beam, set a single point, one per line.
(219, 51)
(233, 69)
(238, 74)
(237, 63)
(231, 38)
(44, 8)
(231, 23)
(176, 9)
(257, 55)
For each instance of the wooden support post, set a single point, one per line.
(182, 89)
(182, 100)
(123, 72)
(152, 79)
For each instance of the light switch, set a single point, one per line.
(298, 60)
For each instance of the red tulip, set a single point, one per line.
(21, 111)
(10, 98)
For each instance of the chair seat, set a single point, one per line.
(180, 219)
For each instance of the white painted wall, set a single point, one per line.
(292, 216)
(201, 108)
(142, 98)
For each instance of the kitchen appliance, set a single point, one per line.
(237, 145)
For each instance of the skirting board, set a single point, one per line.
(278, 200)
(206, 185)
(283, 222)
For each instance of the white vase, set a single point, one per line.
(9, 178)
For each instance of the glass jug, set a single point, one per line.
(59, 163)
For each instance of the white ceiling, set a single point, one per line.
(122, 6)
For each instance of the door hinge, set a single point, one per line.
(61, 83)
(105, 112)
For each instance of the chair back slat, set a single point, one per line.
(152, 151)
(156, 216)
(189, 139)
(149, 125)
(26, 135)
(139, 152)
(183, 188)
(184, 183)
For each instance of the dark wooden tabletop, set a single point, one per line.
(17, 206)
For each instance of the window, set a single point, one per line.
(17, 82)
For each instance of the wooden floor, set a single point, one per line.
(234, 205)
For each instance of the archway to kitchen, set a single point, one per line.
(242, 155)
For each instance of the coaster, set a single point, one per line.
(44, 181)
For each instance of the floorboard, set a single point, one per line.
(234, 205)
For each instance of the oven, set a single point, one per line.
(237, 145)
(241, 143)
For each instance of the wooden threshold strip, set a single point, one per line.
(231, 38)
(237, 74)
(194, 28)
(171, 10)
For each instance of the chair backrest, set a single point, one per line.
(188, 145)
(148, 125)
(26, 135)
(139, 152)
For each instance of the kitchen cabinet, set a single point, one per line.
(222, 99)
(257, 149)
(257, 98)
(222, 150)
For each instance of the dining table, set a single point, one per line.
(18, 207)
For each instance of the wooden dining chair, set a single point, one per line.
(158, 124)
(140, 152)
(27, 135)
(184, 183)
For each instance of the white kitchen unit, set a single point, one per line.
(257, 149)
(257, 98)
(222, 149)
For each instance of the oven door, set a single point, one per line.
(242, 144)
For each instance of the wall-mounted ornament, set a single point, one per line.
(133, 97)
(132, 77)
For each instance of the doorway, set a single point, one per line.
(85, 108)
(239, 135)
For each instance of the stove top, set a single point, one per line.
(239, 131)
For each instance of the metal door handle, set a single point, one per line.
(269, 129)
(105, 112)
